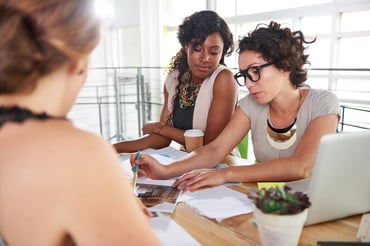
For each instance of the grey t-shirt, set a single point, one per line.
(317, 102)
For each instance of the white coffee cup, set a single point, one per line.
(193, 139)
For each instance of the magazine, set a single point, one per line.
(157, 195)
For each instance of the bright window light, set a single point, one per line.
(104, 9)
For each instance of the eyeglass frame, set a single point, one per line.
(244, 73)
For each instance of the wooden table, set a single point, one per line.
(239, 230)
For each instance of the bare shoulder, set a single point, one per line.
(62, 146)
(225, 83)
(225, 74)
(72, 138)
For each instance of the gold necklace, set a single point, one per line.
(186, 101)
(286, 137)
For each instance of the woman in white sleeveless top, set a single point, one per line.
(199, 91)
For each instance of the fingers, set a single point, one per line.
(133, 159)
(150, 167)
(145, 210)
(183, 178)
(147, 213)
(192, 181)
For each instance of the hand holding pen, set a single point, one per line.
(149, 167)
(136, 169)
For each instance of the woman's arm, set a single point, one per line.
(215, 152)
(154, 141)
(298, 166)
(225, 95)
(155, 137)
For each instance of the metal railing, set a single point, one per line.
(359, 124)
(117, 101)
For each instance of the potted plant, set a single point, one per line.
(280, 214)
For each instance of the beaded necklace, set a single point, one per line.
(185, 100)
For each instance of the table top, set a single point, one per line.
(240, 230)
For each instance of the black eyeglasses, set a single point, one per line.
(252, 73)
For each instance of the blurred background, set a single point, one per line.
(124, 88)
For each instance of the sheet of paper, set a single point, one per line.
(169, 152)
(218, 203)
(170, 233)
(172, 153)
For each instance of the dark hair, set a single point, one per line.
(38, 37)
(194, 31)
(281, 46)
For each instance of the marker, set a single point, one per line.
(136, 169)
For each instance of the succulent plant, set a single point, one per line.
(279, 200)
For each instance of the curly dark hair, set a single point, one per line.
(194, 31)
(284, 48)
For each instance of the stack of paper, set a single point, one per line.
(218, 203)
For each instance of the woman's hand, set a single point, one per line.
(145, 210)
(200, 178)
(152, 127)
(149, 167)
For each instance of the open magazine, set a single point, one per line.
(157, 195)
(158, 198)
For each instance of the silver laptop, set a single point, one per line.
(340, 181)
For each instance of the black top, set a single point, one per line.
(17, 114)
(183, 118)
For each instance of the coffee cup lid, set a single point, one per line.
(193, 133)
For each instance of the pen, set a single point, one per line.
(136, 169)
(254, 222)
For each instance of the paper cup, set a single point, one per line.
(193, 139)
(279, 230)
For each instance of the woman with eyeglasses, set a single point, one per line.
(286, 118)
(199, 90)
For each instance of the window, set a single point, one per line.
(355, 21)
(354, 52)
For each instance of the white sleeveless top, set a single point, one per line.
(204, 98)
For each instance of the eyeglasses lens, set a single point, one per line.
(252, 73)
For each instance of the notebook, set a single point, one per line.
(340, 182)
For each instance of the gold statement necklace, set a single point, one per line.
(286, 137)
(185, 100)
